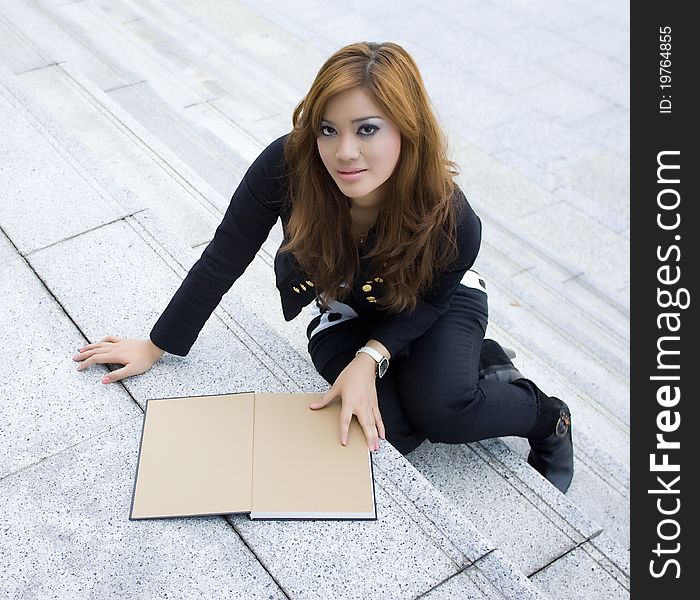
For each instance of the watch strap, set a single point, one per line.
(381, 360)
(377, 356)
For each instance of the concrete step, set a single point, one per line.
(191, 220)
(74, 34)
(504, 124)
(94, 449)
(595, 332)
(45, 256)
(253, 277)
(151, 32)
(222, 21)
(435, 542)
(247, 289)
(70, 447)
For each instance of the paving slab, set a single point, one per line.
(8, 253)
(605, 76)
(599, 255)
(124, 297)
(47, 406)
(462, 105)
(295, 60)
(488, 19)
(527, 168)
(46, 196)
(586, 335)
(602, 503)
(65, 533)
(609, 128)
(562, 99)
(117, 50)
(469, 584)
(203, 153)
(38, 30)
(414, 535)
(536, 41)
(609, 187)
(246, 63)
(509, 72)
(559, 17)
(535, 136)
(526, 535)
(15, 54)
(349, 559)
(593, 581)
(617, 12)
(534, 262)
(88, 126)
(253, 47)
(487, 181)
(601, 35)
(88, 29)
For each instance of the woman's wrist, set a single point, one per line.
(367, 362)
(156, 351)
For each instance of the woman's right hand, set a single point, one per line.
(137, 356)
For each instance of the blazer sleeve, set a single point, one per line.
(398, 330)
(251, 214)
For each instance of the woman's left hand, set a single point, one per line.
(356, 387)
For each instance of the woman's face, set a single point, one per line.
(355, 135)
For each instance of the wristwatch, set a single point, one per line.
(382, 361)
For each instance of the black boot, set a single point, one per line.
(495, 363)
(551, 444)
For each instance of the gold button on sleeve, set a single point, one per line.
(296, 289)
(366, 288)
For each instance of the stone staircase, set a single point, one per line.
(126, 128)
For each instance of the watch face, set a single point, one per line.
(382, 367)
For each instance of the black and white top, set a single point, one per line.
(321, 318)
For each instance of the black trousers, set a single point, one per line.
(431, 390)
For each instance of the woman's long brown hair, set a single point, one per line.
(416, 225)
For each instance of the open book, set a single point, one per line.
(269, 455)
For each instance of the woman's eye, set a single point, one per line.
(366, 129)
(372, 127)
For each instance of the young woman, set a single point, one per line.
(380, 240)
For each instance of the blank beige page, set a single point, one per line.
(196, 457)
(299, 465)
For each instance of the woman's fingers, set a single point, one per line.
(136, 356)
(90, 347)
(369, 428)
(88, 353)
(113, 376)
(110, 339)
(102, 357)
(378, 422)
(345, 418)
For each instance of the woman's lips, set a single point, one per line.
(351, 175)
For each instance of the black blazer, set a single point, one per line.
(255, 207)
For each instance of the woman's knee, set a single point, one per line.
(435, 411)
